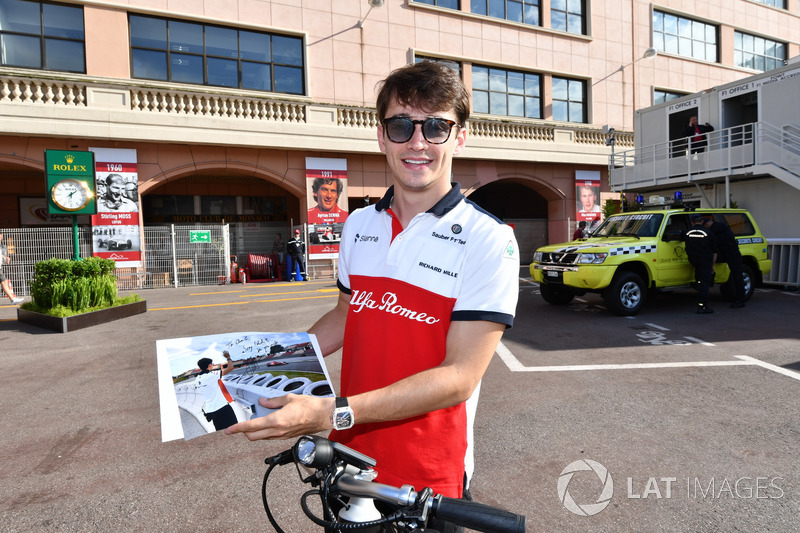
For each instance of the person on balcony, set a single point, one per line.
(695, 132)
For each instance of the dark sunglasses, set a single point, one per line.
(434, 130)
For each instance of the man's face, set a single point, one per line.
(693, 121)
(417, 164)
(327, 196)
(587, 199)
(115, 190)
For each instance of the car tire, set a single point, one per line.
(728, 291)
(556, 295)
(626, 294)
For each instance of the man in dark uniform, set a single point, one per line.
(729, 253)
(701, 248)
(296, 249)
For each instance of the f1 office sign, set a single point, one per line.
(72, 169)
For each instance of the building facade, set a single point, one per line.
(223, 101)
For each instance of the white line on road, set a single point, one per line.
(514, 365)
(656, 326)
(769, 366)
(698, 341)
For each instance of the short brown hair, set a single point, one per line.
(426, 85)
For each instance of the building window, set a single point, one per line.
(567, 15)
(774, 3)
(684, 37)
(506, 92)
(42, 36)
(569, 100)
(524, 11)
(758, 53)
(455, 65)
(659, 96)
(449, 4)
(188, 52)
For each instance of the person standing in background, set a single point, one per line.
(5, 283)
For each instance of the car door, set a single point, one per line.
(673, 265)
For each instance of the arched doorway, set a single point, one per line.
(519, 205)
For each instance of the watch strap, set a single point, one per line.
(341, 402)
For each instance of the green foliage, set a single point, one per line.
(63, 311)
(75, 285)
(610, 207)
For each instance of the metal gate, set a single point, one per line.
(170, 257)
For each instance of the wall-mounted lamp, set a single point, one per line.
(372, 4)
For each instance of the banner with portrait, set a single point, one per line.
(115, 227)
(326, 183)
(587, 196)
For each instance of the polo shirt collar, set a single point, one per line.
(441, 208)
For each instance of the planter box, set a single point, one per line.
(85, 320)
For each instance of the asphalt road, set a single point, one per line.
(694, 419)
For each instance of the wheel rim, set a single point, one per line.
(630, 295)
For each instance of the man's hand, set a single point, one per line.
(296, 415)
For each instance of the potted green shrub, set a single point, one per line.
(69, 295)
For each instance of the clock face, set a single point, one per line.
(71, 194)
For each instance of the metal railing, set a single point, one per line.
(726, 152)
(169, 257)
(785, 255)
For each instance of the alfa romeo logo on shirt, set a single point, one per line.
(456, 228)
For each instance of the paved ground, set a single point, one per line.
(81, 451)
(81, 444)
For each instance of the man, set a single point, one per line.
(695, 131)
(588, 200)
(115, 198)
(296, 250)
(428, 284)
(216, 406)
(326, 193)
(5, 283)
(729, 253)
(580, 231)
(701, 248)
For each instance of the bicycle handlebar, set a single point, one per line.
(465, 513)
(350, 486)
(477, 516)
(340, 469)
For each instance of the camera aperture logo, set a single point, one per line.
(577, 467)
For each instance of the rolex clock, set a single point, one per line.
(70, 183)
(71, 194)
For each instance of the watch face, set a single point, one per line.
(343, 419)
(71, 194)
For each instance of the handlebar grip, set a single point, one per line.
(478, 516)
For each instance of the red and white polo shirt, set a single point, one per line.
(454, 262)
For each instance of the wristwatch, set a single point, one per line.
(343, 415)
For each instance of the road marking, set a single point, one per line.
(775, 368)
(699, 341)
(514, 365)
(656, 326)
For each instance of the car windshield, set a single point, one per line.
(632, 225)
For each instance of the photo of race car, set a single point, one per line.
(115, 244)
